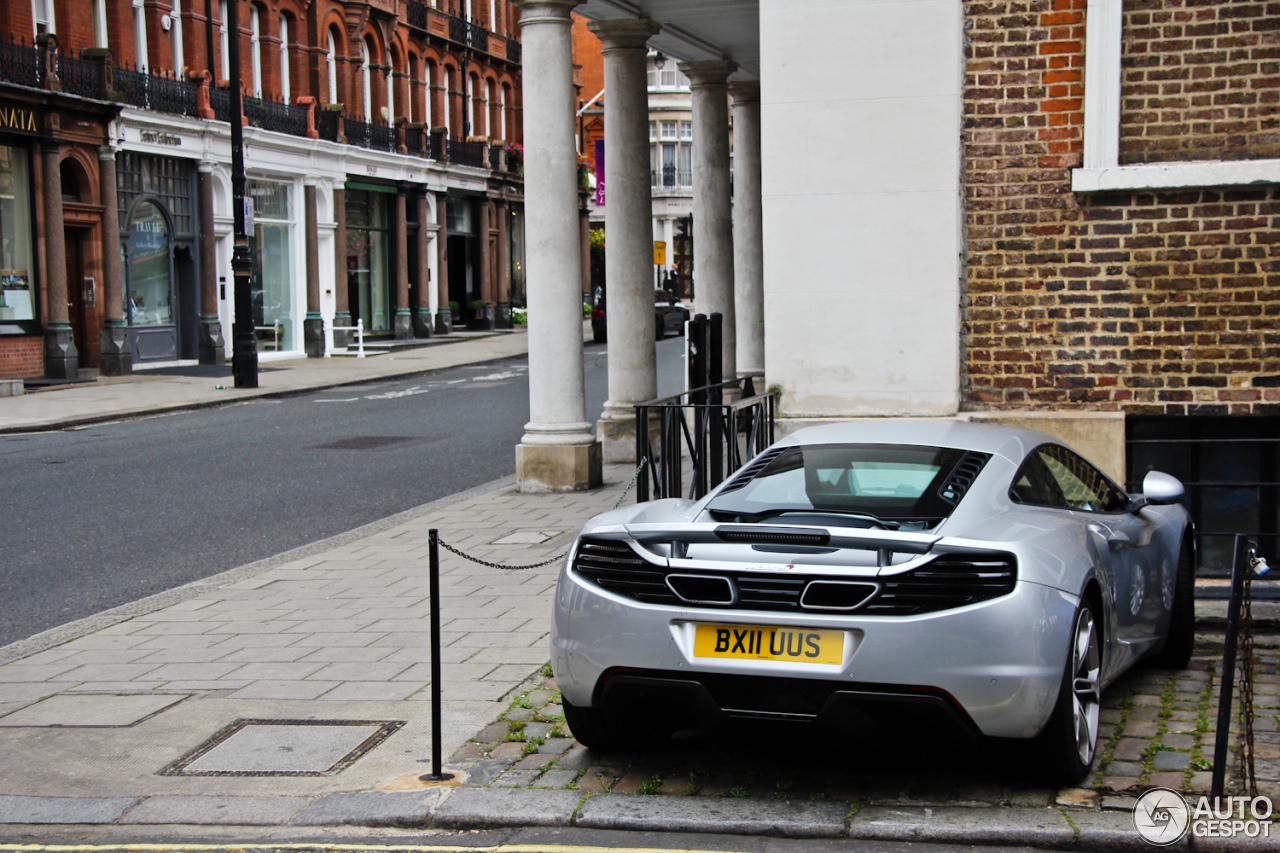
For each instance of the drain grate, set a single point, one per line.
(283, 748)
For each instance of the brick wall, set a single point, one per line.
(1161, 303)
(1200, 80)
(21, 358)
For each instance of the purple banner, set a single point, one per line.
(599, 173)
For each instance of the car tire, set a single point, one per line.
(1069, 741)
(660, 329)
(607, 732)
(1180, 639)
(598, 337)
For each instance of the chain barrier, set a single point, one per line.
(1258, 566)
(503, 567)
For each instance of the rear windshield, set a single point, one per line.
(909, 487)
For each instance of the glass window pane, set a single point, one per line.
(150, 299)
(15, 235)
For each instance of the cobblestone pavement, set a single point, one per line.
(1158, 730)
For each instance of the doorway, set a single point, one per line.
(82, 299)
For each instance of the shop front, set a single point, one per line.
(369, 237)
(21, 333)
(277, 306)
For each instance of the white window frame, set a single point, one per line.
(686, 131)
(286, 84)
(653, 131)
(100, 34)
(222, 40)
(175, 32)
(666, 135)
(366, 79)
(391, 92)
(42, 13)
(331, 66)
(1101, 170)
(141, 52)
(502, 112)
(448, 108)
(255, 49)
(426, 94)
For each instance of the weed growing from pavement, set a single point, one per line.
(1167, 697)
(532, 746)
(521, 701)
(784, 787)
(697, 781)
(1109, 748)
(737, 792)
(650, 786)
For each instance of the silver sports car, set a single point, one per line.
(974, 576)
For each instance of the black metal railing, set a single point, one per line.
(276, 116)
(414, 140)
(718, 436)
(327, 124)
(415, 14)
(81, 77)
(20, 63)
(495, 158)
(220, 101)
(367, 134)
(513, 51)
(150, 90)
(477, 37)
(466, 153)
(457, 30)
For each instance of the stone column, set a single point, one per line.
(422, 311)
(748, 228)
(558, 451)
(117, 358)
(712, 207)
(341, 306)
(502, 316)
(633, 371)
(61, 360)
(404, 319)
(212, 348)
(484, 263)
(313, 325)
(444, 317)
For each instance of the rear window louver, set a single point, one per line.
(952, 580)
(747, 474)
(962, 476)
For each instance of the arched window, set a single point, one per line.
(255, 50)
(285, 87)
(474, 96)
(331, 66)
(366, 79)
(428, 75)
(502, 112)
(448, 97)
(491, 92)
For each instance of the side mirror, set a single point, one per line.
(1161, 488)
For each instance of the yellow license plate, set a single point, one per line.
(753, 642)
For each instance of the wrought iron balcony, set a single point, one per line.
(276, 116)
(327, 124)
(81, 77)
(20, 63)
(220, 100)
(457, 30)
(415, 14)
(477, 37)
(161, 92)
(379, 137)
(466, 153)
(513, 51)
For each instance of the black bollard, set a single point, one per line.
(436, 774)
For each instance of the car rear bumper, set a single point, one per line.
(995, 666)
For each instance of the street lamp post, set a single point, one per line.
(244, 345)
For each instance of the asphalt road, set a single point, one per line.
(104, 515)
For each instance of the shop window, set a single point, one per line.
(148, 295)
(1230, 466)
(16, 270)
(271, 280)
(368, 259)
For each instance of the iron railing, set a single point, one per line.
(367, 134)
(327, 124)
(415, 14)
(466, 153)
(718, 437)
(477, 37)
(20, 63)
(513, 51)
(81, 77)
(414, 138)
(457, 30)
(275, 115)
(220, 101)
(495, 158)
(150, 90)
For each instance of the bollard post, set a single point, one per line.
(436, 774)
(1221, 749)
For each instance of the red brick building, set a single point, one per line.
(381, 161)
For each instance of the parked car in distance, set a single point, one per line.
(669, 316)
(958, 578)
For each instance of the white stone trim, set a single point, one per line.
(1104, 22)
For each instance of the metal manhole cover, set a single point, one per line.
(283, 748)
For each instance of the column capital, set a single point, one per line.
(625, 33)
(708, 72)
(545, 11)
(106, 152)
(745, 91)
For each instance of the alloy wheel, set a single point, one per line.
(1086, 680)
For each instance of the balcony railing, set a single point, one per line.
(466, 153)
(81, 77)
(327, 124)
(220, 100)
(275, 115)
(20, 63)
(477, 37)
(379, 137)
(151, 91)
(670, 178)
(415, 14)
(513, 51)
